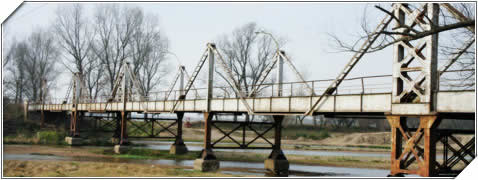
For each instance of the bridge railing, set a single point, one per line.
(455, 80)
(356, 85)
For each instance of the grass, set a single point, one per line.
(51, 137)
(45, 137)
(346, 159)
(137, 153)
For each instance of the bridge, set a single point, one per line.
(396, 97)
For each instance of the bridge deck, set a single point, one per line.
(448, 102)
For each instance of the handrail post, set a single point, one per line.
(363, 86)
(181, 81)
(291, 87)
(313, 88)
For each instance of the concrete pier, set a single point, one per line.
(178, 149)
(119, 149)
(206, 165)
(73, 141)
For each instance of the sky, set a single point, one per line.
(190, 26)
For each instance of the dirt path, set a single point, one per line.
(16, 168)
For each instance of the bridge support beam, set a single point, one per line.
(207, 160)
(277, 163)
(418, 148)
(179, 147)
(123, 139)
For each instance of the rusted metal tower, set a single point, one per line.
(414, 95)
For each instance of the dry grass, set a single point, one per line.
(15, 168)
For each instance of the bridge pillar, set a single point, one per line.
(418, 148)
(179, 147)
(123, 139)
(74, 134)
(207, 160)
(277, 163)
(117, 132)
(42, 118)
(74, 124)
(414, 92)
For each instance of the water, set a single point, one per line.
(33, 157)
(196, 146)
(247, 168)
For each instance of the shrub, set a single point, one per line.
(51, 137)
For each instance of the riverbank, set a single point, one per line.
(142, 153)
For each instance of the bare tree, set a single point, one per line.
(9, 53)
(71, 27)
(95, 82)
(459, 47)
(149, 48)
(39, 64)
(114, 27)
(74, 38)
(247, 55)
(14, 81)
(388, 38)
(457, 19)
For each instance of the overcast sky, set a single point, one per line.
(189, 26)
